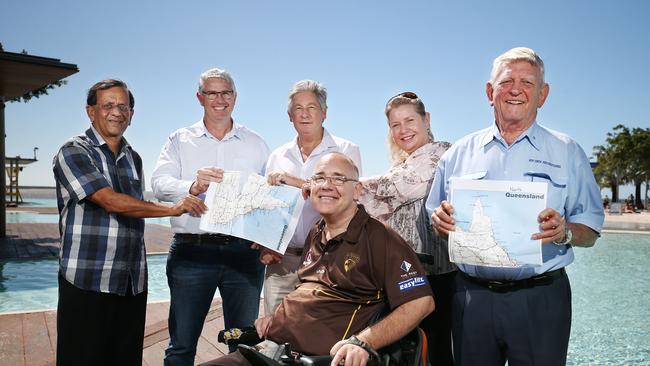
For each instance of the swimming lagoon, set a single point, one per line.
(610, 293)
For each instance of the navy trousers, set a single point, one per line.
(526, 326)
(194, 272)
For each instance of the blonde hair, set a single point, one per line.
(396, 154)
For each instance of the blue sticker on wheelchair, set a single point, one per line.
(412, 283)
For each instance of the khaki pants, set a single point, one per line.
(281, 279)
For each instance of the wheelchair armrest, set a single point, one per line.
(316, 360)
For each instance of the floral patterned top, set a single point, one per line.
(397, 199)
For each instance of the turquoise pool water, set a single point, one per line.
(611, 302)
(32, 284)
(611, 297)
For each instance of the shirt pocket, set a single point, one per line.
(557, 188)
(475, 175)
(132, 187)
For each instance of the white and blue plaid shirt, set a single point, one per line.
(100, 251)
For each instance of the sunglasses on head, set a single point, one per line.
(406, 94)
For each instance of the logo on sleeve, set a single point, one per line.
(308, 258)
(405, 266)
(412, 283)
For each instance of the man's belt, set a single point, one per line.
(506, 286)
(297, 251)
(204, 238)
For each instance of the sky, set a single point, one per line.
(596, 56)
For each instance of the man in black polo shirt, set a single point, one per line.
(352, 267)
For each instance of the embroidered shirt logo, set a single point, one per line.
(351, 260)
(307, 260)
(405, 266)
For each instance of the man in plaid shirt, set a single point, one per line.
(103, 270)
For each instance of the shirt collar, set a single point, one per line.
(327, 142)
(531, 135)
(198, 129)
(353, 232)
(422, 150)
(98, 140)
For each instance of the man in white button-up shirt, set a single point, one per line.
(292, 164)
(199, 263)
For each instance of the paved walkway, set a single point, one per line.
(42, 240)
(633, 222)
(29, 339)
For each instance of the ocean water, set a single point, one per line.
(31, 217)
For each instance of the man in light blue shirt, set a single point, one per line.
(198, 262)
(522, 314)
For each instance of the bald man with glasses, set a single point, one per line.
(353, 267)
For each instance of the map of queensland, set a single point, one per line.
(246, 206)
(494, 222)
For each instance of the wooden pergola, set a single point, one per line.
(20, 74)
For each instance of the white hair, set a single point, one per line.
(517, 54)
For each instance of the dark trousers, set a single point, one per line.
(437, 325)
(194, 272)
(526, 326)
(95, 328)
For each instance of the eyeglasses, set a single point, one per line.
(337, 180)
(121, 107)
(406, 94)
(212, 95)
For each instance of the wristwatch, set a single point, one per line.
(568, 235)
(357, 342)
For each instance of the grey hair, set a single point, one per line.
(219, 74)
(517, 54)
(309, 86)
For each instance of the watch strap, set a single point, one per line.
(357, 342)
(568, 235)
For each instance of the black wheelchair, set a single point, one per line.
(408, 351)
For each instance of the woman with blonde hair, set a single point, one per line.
(397, 199)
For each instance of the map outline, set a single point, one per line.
(237, 205)
(494, 222)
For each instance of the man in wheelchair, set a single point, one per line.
(352, 267)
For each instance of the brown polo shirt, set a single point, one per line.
(345, 282)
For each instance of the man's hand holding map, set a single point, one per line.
(494, 221)
(246, 206)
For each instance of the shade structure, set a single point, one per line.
(20, 74)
